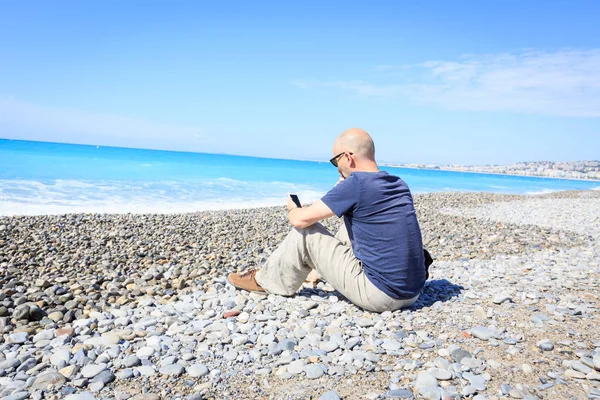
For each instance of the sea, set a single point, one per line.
(39, 178)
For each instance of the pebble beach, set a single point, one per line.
(125, 306)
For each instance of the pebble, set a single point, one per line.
(330, 395)
(482, 333)
(313, 371)
(197, 370)
(172, 370)
(91, 370)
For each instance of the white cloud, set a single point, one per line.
(21, 120)
(561, 83)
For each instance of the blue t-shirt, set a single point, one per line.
(382, 225)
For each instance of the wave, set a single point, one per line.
(28, 197)
(541, 191)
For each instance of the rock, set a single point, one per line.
(296, 367)
(197, 370)
(16, 396)
(330, 395)
(145, 352)
(172, 370)
(105, 377)
(329, 346)
(458, 354)
(146, 370)
(69, 371)
(231, 313)
(545, 345)
(21, 312)
(81, 396)
(18, 338)
(580, 367)
(60, 358)
(501, 298)
(482, 333)
(596, 361)
(440, 374)
(399, 394)
(425, 380)
(364, 322)
(574, 374)
(313, 371)
(8, 364)
(527, 369)
(91, 370)
(48, 380)
(131, 361)
(391, 345)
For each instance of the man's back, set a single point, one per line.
(382, 225)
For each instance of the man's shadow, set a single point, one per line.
(437, 290)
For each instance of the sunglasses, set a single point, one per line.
(335, 159)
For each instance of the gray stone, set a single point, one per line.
(364, 322)
(60, 358)
(477, 381)
(48, 379)
(458, 354)
(131, 361)
(230, 355)
(91, 370)
(424, 380)
(21, 312)
(96, 386)
(330, 395)
(18, 338)
(574, 374)
(16, 396)
(125, 373)
(580, 367)
(81, 396)
(197, 370)
(501, 298)
(146, 370)
(296, 367)
(314, 371)
(596, 360)
(172, 370)
(482, 333)
(440, 374)
(391, 344)
(8, 364)
(545, 345)
(105, 377)
(329, 346)
(399, 394)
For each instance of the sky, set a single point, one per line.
(442, 82)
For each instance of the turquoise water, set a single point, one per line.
(51, 178)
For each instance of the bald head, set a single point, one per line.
(356, 141)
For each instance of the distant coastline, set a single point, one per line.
(590, 173)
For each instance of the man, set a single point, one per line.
(376, 259)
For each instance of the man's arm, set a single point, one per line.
(306, 216)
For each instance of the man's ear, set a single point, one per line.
(351, 160)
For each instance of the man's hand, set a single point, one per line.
(290, 204)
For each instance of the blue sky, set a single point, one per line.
(471, 82)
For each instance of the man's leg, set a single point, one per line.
(316, 248)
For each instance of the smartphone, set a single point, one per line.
(296, 200)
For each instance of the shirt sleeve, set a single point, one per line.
(343, 197)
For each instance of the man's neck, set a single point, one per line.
(367, 167)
